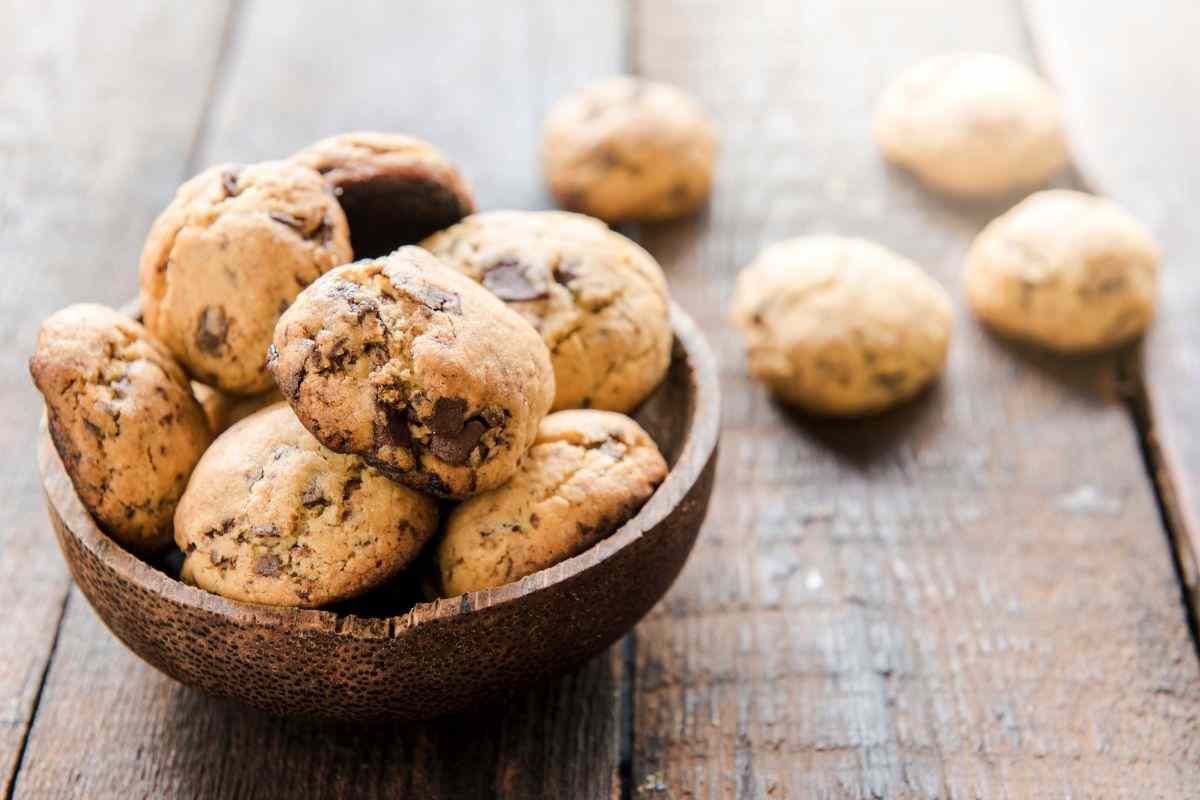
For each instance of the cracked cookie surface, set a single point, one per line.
(587, 473)
(123, 419)
(841, 326)
(625, 149)
(1065, 270)
(972, 124)
(231, 251)
(416, 368)
(597, 298)
(271, 516)
(395, 189)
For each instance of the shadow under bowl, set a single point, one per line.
(438, 657)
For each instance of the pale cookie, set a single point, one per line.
(224, 410)
(841, 326)
(626, 149)
(123, 419)
(972, 124)
(395, 189)
(1065, 270)
(416, 368)
(271, 516)
(234, 248)
(599, 301)
(586, 475)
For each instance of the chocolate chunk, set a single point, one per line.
(565, 273)
(313, 496)
(457, 449)
(449, 415)
(267, 565)
(264, 530)
(211, 329)
(506, 279)
(229, 182)
(433, 298)
(395, 431)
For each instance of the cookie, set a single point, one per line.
(416, 368)
(841, 326)
(271, 516)
(972, 124)
(123, 419)
(395, 189)
(626, 149)
(1065, 270)
(224, 410)
(587, 473)
(599, 301)
(231, 251)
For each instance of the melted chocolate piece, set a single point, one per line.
(506, 279)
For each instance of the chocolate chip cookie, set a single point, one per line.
(1066, 270)
(395, 189)
(972, 124)
(841, 326)
(231, 251)
(599, 301)
(626, 149)
(586, 474)
(224, 410)
(123, 419)
(271, 516)
(416, 368)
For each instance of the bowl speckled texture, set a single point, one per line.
(438, 657)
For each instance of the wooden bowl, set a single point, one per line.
(438, 657)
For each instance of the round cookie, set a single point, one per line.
(972, 124)
(841, 326)
(586, 474)
(270, 516)
(224, 410)
(599, 300)
(416, 368)
(1066, 270)
(626, 149)
(231, 251)
(123, 419)
(395, 189)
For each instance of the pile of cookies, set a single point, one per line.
(844, 327)
(302, 425)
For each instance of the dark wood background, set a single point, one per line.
(981, 595)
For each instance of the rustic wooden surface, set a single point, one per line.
(974, 596)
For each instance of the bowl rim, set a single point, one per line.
(699, 444)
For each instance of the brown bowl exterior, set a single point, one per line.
(439, 657)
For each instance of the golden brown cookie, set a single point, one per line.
(231, 251)
(972, 124)
(599, 301)
(625, 149)
(224, 410)
(123, 419)
(1066, 270)
(841, 326)
(586, 474)
(416, 368)
(395, 189)
(271, 516)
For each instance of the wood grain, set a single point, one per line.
(1129, 83)
(93, 134)
(475, 79)
(970, 597)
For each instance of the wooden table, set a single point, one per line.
(981, 595)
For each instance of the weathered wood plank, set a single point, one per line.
(475, 79)
(97, 113)
(970, 597)
(1129, 83)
